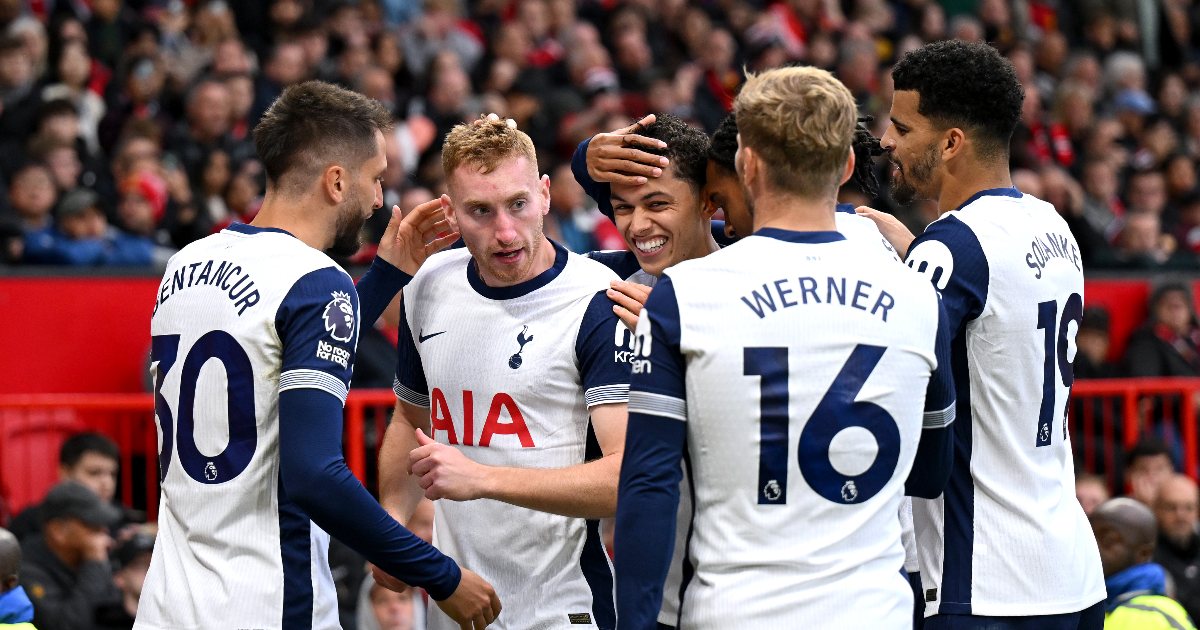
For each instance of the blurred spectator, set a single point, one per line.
(1187, 231)
(66, 572)
(285, 66)
(16, 611)
(18, 98)
(109, 28)
(241, 99)
(83, 237)
(62, 160)
(572, 220)
(32, 195)
(130, 561)
(1168, 344)
(383, 609)
(440, 28)
(1091, 491)
(1125, 533)
(1148, 465)
(138, 97)
(210, 118)
(143, 204)
(1141, 243)
(90, 459)
(1178, 551)
(72, 77)
(1093, 341)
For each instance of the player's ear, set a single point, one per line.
(848, 171)
(335, 183)
(544, 184)
(749, 161)
(954, 141)
(707, 208)
(448, 209)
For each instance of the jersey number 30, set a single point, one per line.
(837, 411)
(243, 429)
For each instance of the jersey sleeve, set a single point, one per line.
(600, 348)
(313, 475)
(598, 191)
(317, 324)
(410, 385)
(377, 287)
(655, 441)
(949, 254)
(935, 449)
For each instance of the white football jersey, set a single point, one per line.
(798, 444)
(625, 264)
(1008, 536)
(232, 550)
(509, 375)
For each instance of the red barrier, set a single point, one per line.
(92, 334)
(33, 427)
(1109, 416)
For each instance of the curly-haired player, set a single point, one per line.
(1007, 545)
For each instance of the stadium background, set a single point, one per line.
(149, 104)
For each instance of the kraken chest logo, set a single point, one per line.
(515, 360)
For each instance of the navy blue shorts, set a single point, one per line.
(1091, 618)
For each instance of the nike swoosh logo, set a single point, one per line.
(424, 338)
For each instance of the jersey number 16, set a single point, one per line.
(837, 411)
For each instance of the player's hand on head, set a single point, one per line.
(628, 298)
(443, 472)
(474, 604)
(412, 237)
(892, 229)
(614, 156)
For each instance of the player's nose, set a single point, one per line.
(506, 228)
(641, 222)
(888, 141)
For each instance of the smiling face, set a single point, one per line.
(365, 183)
(663, 221)
(912, 141)
(499, 215)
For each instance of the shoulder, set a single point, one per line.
(587, 270)
(947, 238)
(622, 262)
(949, 249)
(439, 265)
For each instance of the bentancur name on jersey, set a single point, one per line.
(227, 276)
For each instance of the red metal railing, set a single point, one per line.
(33, 427)
(1107, 417)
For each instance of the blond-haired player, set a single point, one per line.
(797, 378)
(510, 360)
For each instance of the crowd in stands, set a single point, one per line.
(126, 125)
(1155, 555)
